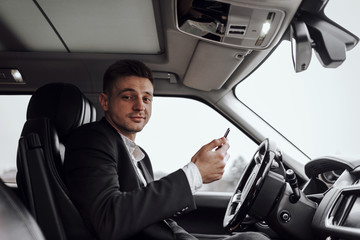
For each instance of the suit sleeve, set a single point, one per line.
(111, 202)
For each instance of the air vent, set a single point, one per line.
(346, 210)
(237, 30)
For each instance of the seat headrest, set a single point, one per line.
(64, 104)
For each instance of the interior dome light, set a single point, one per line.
(17, 75)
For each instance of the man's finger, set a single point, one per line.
(216, 143)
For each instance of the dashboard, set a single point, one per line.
(338, 212)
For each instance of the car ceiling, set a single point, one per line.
(81, 26)
(74, 41)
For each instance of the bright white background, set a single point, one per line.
(316, 109)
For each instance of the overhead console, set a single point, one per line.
(235, 23)
(229, 31)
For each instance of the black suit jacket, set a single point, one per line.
(105, 187)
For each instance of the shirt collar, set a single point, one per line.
(133, 149)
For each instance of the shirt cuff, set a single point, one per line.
(193, 175)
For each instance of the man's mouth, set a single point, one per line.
(137, 118)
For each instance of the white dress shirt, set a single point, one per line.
(191, 171)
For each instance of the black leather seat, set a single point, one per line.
(53, 112)
(15, 220)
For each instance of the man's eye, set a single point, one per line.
(148, 100)
(126, 97)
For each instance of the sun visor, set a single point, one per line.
(217, 63)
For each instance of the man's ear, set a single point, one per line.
(104, 101)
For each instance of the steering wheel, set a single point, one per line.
(249, 185)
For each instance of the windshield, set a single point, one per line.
(317, 110)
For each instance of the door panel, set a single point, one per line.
(208, 218)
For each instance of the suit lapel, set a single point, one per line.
(145, 172)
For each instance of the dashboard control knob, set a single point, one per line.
(285, 216)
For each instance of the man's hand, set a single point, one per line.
(211, 163)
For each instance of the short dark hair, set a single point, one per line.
(125, 68)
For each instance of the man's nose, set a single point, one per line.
(139, 104)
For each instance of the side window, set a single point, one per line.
(179, 127)
(13, 116)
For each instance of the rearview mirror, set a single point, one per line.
(301, 45)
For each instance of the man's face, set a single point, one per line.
(128, 106)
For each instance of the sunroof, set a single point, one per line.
(24, 28)
(126, 26)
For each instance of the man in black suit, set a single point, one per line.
(110, 178)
